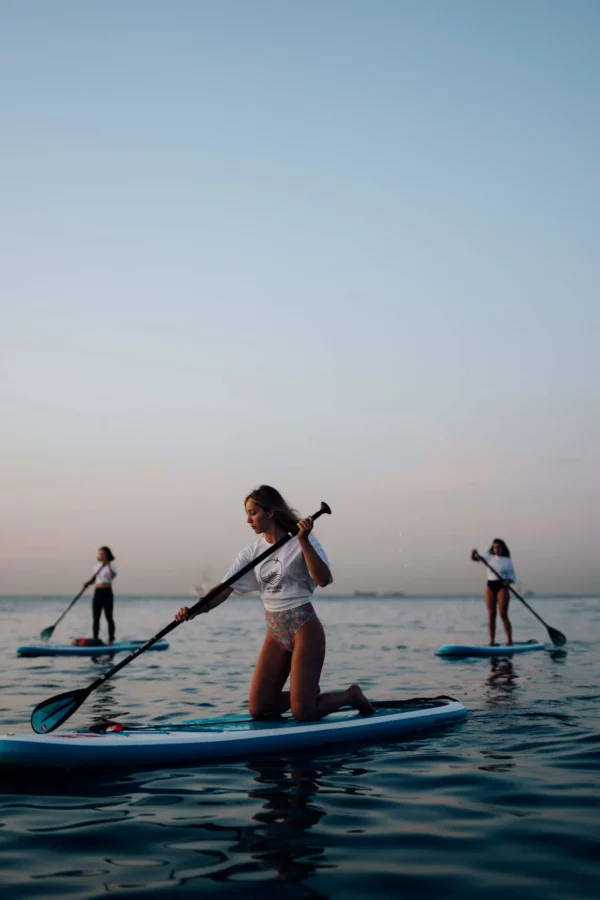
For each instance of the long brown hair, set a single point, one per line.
(269, 498)
(504, 551)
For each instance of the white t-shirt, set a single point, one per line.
(282, 579)
(502, 564)
(103, 573)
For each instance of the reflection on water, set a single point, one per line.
(287, 813)
(282, 841)
(502, 680)
(103, 704)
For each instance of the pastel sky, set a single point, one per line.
(346, 248)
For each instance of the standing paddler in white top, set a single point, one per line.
(294, 644)
(497, 593)
(103, 601)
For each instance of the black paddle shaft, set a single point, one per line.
(556, 636)
(47, 632)
(71, 604)
(325, 509)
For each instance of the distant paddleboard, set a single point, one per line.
(484, 650)
(73, 650)
(235, 736)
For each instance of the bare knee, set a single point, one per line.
(303, 711)
(257, 709)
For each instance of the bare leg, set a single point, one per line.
(503, 601)
(307, 662)
(490, 602)
(267, 697)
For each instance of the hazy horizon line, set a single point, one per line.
(382, 596)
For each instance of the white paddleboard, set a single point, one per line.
(192, 742)
(484, 650)
(73, 650)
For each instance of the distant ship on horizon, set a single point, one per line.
(377, 594)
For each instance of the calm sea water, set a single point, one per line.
(507, 802)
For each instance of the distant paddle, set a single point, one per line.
(46, 634)
(49, 714)
(557, 637)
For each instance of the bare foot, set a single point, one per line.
(359, 701)
(492, 644)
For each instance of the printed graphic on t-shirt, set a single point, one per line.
(270, 574)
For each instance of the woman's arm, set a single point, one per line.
(184, 613)
(318, 570)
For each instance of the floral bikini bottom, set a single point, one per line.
(284, 625)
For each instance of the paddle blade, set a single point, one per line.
(46, 634)
(557, 637)
(49, 714)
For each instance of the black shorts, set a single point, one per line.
(496, 586)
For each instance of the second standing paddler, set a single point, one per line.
(103, 601)
(497, 593)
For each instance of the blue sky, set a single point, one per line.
(345, 247)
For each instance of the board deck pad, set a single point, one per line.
(246, 723)
(233, 736)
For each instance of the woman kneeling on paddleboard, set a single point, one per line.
(497, 594)
(294, 645)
